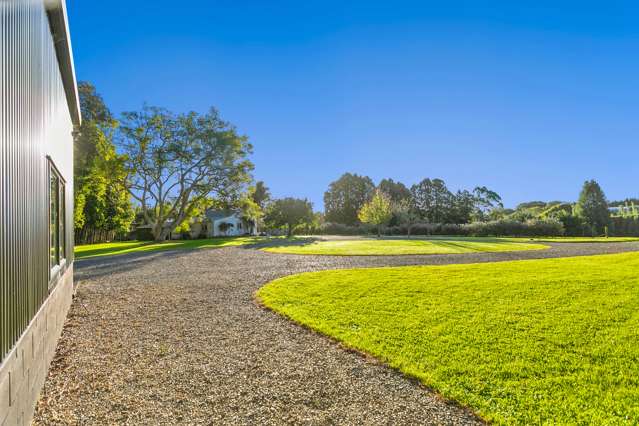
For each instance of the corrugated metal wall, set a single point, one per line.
(34, 124)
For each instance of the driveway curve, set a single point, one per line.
(177, 337)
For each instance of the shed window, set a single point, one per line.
(57, 218)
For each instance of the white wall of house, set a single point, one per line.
(239, 228)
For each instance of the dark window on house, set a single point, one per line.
(57, 218)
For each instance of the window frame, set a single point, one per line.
(57, 267)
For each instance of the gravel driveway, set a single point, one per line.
(176, 337)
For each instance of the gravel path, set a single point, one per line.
(176, 337)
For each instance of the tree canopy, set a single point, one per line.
(378, 211)
(592, 207)
(178, 160)
(289, 212)
(396, 191)
(346, 196)
(102, 202)
(432, 200)
(260, 194)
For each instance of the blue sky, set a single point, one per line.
(527, 98)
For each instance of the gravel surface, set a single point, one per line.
(176, 337)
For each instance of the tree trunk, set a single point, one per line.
(159, 233)
(408, 229)
(289, 231)
(379, 231)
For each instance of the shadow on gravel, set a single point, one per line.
(106, 265)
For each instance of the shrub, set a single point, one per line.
(498, 228)
(624, 227)
(340, 229)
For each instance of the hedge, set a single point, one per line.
(500, 228)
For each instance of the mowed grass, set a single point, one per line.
(581, 239)
(122, 247)
(521, 342)
(391, 247)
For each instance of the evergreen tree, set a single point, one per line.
(592, 207)
(346, 196)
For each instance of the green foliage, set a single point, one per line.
(556, 210)
(404, 214)
(627, 209)
(346, 196)
(433, 200)
(251, 211)
(499, 213)
(289, 212)
(464, 208)
(497, 228)
(92, 105)
(592, 207)
(179, 160)
(377, 211)
(102, 202)
(486, 200)
(436, 204)
(625, 226)
(260, 194)
(531, 205)
(396, 191)
(529, 342)
(313, 227)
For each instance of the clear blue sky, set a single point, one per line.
(528, 98)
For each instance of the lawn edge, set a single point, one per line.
(260, 303)
(269, 250)
(369, 358)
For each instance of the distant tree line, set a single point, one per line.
(429, 201)
(157, 168)
(354, 204)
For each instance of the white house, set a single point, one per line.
(228, 223)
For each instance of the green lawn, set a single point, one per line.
(121, 247)
(390, 247)
(525, 342)
(581, 239)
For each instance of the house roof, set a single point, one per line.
(220, 214)
(57, 13)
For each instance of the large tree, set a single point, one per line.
(260, 194)
(486, 200)
(433, 200)
(405, 214)
(289, 212)
(396, 191)
(378, 211)
(177, 160)
(592, 207)
(464, 207)
(346, 196)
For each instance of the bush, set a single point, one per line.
(497, 228)
(340, 229)
(624, 227)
